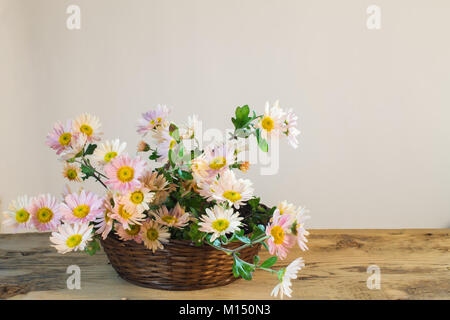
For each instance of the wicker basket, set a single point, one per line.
(179, 266)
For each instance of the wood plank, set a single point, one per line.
(415, 264)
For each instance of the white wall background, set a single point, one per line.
(374, 106)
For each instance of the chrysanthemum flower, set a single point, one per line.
(132, 233)
(272, 122)
(279, 231)
(123, 173)
(107, 151)
(126, 217)
(218, 158)
(228, 189)
(72, 172)
(220, 221)
(300, 230)
(157, 184)
(18, 214)
(153, 119)
(104, 222)
(176, 217)
(60, 137)
(290, 273)
(287, 208)
(83, 207)
(290, 128)
(164, 143)
(154, 235)
(137, 199)
(71, 237)
(88, 125)
(76, 146)
(143, 146)
(192, 129)
(46, 212)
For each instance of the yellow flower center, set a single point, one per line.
(107, 218)
(152, 234)
(277, 233)
(123, 213)
(22, 216)
(218, 163)
(233, 196)
(137, 197)
(133, 229)
(109, 156)
(169, 219)
(73, 240)
(220, 224)
(71, 174)
(125, 174)
(267, 123)
(65, 138)
(44, 215)
(81, 211)
(172, 143)
(86, 129)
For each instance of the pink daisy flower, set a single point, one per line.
(132, 233)
(123, 173)
(153, 119)
(280, 239)
(82, 207)
(60, 137)
(104, 222)
(46, 212)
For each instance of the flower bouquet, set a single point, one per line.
(175, 216)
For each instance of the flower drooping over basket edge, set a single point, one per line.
(193, 194)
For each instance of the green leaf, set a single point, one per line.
(154, 155)
(256, 260)
(254, 203)
(172, 163)
(90, 149)
(262, 143)
(88, 171)
(243, 239)
(242, 268)
(186, 175)
(242, 119)
(92, 247)
(269, 262)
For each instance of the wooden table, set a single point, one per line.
(414, 264)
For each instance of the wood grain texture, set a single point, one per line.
(415, 264)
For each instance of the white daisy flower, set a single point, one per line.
(18, 215)
(287, 208)
(107, 151)
(88, 125)
(227, 189)
(76, 146)
(164, 143)
(71, 237)
(137, 200)
(290, 273)
(290, 128)
(220, 221)
(154, 235)
(192, 129)
(272, 122)
(302, 233)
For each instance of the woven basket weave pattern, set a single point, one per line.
(179, 266)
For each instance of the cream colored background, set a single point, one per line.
(374, 106)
